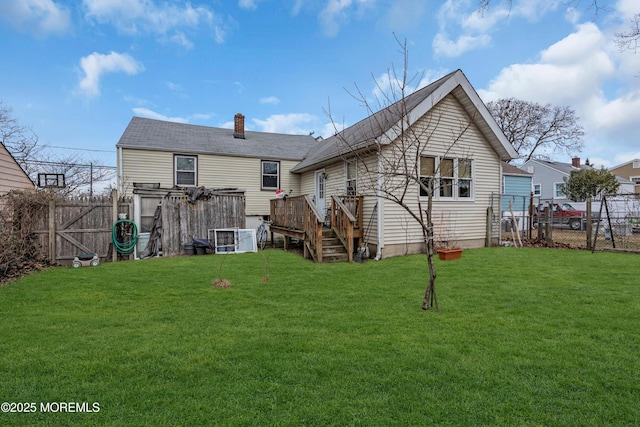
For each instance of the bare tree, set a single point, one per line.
(535, 130)
(630, 39)
(34, 158)
(625, 40)
(390, 146)
(21, 141)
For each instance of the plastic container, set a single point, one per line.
(188, 249)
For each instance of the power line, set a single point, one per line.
(42, 162)
(79, 149)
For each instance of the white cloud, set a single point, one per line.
(41, 17)
(443, 46)
(570, 70)
(147, 17)
(337, 12)
(150, 114)
(96, 65)
(248, 4)
(576, 71)
(271, 100)
(293, 123)
(463, 28)
(406, 13)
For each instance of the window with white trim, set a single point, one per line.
(636, 164)
(557, 191)
(185, 170)
(270, 175)
(537, 189)
(453, 176)
(635, 179)
(351, 176)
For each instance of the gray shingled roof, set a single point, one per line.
(365, 131)
(150, 134)
(562, 167)
(508, 169)
(380, 125)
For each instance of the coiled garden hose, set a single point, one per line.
(124, 247)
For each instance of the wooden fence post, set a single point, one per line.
(588, 227)
(52, 232)
(114, 217)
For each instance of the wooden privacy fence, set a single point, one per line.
(183, 220)
(79, 225)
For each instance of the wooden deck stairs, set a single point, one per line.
(332, 248)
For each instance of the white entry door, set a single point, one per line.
(320, 188)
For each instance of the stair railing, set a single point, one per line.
(343, 224)
(313, 220)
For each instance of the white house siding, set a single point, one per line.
(461, 222)
(213, 172)
(12, 177)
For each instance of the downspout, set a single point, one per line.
(379, 205)
(120, 184)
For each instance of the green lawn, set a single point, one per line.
(524, 337)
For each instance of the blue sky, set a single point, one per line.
(76, 71)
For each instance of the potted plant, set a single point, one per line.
(446, 238)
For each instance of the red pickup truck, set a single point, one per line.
(562, 213)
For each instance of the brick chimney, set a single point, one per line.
(238, 126)
(575, 162)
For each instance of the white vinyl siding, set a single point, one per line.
(462, 219)
(146, 166)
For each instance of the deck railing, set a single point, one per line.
(300, 214)
(289, 212)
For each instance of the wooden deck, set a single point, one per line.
(298, 218)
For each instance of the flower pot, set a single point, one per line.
(449, 254)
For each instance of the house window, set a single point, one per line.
(636, 164)
(635, 179)
(455, 177)
(270, 175)
(446, 178)
(537, 189)
(427, 174)
(464, 178)
(351, 178)
(558, 193)
(186, 170)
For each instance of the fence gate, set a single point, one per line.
(79, 225)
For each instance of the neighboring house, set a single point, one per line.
(12, 176)
(516, 188)
(548, 178)
(168, 155)
(468, 167)
(631, 171)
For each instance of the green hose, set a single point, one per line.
(124, 248)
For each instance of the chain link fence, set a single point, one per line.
(611, 222)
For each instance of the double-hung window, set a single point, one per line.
(451, 179)
(185, 171)
(270, 175)
(351, 175)
(537, 189)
